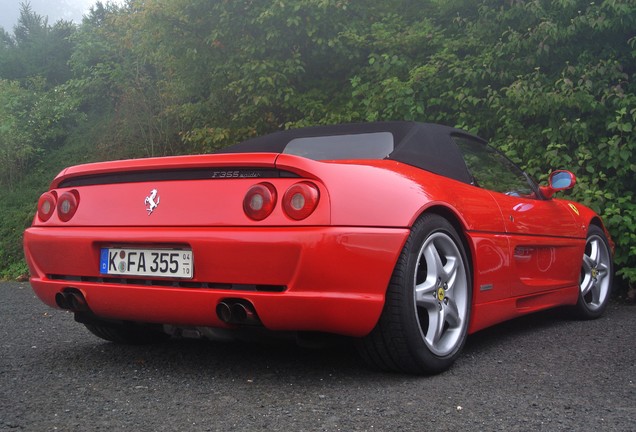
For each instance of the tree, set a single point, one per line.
(36, 49)
(550, 83)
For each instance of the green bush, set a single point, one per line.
(551, 83)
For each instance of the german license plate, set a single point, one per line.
(146, 262)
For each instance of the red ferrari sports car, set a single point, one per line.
(406, 236)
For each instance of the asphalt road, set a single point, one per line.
(538, 373)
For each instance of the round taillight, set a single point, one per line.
(46, 206)
(300, 200)
(259, 201)
(67, 205)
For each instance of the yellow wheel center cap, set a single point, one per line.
(594, 273)
(440, 294)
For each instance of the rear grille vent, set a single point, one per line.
(179, 174)
(169, 283)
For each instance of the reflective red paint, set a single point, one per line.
(335, 264)
(438, 236)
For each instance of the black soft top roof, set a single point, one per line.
(424, 145)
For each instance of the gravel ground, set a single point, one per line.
(541, 373)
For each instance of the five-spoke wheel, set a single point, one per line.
(441, 293)
(424, 322)
(596, 275)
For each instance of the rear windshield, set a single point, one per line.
(377, 145)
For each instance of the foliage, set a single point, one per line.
(550, 83)
(15, 144)
(33, 120)
(36, 48)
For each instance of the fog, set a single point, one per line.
(70, 10)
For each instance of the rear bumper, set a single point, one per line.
(333, 279)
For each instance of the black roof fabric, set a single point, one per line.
(423, 145)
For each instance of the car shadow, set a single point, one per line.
(507, 332)
(269, 357)
(212, 359)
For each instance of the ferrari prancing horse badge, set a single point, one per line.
(150, 202)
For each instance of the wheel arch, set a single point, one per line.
(597, 221)
(397, 342)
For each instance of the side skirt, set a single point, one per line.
(488, 314)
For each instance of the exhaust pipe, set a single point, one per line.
(224, 312)
(77, 302)
(60, 300)
(72, 300)
(244, 313)
(237, 311)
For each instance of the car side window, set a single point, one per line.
(491, 170)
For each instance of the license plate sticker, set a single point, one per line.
(171, 263)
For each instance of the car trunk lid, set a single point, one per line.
(184, 191)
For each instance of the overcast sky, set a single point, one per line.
(70, 10)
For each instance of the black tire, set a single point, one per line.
(127, 333)
(405, 338)
(597, 274)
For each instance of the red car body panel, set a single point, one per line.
(325, 297)
(333, 267)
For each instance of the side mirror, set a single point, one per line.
(558, 181)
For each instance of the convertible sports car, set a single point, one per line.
(406, 236)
